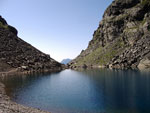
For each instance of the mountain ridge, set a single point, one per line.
(117, 41)
(20, 56)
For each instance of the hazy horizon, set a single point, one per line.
(59, 28)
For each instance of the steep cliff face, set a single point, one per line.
(16, 54)
(122, 39)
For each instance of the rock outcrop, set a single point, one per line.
(16, 54)
(144, 63)
(122, 39)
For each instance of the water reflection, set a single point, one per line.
(124, 90)
(93, 91)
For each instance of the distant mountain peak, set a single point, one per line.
(65, 61)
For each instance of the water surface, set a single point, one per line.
(87, 91)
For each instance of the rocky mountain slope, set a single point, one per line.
(18, 55)
(122, 39)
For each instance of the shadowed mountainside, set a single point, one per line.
(18, 55)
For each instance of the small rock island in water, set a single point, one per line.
(121, 41)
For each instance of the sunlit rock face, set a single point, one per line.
(122, 39)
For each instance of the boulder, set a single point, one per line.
(144, 64)
(13, 30)
(3, 21)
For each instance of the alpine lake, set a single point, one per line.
(84, 91)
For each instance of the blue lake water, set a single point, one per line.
(87, 91)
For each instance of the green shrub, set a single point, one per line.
(3, 26)
(145, 2)
(143, 22)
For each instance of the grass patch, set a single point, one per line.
(121, 17)
(143, 22)
(145, 2)
(97, 33)
(102, 55)
(92, 58)
(111, 51)
(107, 56)
(3, 26)
(131, 29)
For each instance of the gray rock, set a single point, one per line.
(122, 38)
(144, 64)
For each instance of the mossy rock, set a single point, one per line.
(145, 2)
(3, 25)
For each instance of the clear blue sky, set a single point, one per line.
(61, 28)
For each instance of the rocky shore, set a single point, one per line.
(8, 106)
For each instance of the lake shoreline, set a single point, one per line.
(7, 105)
(77, 86)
